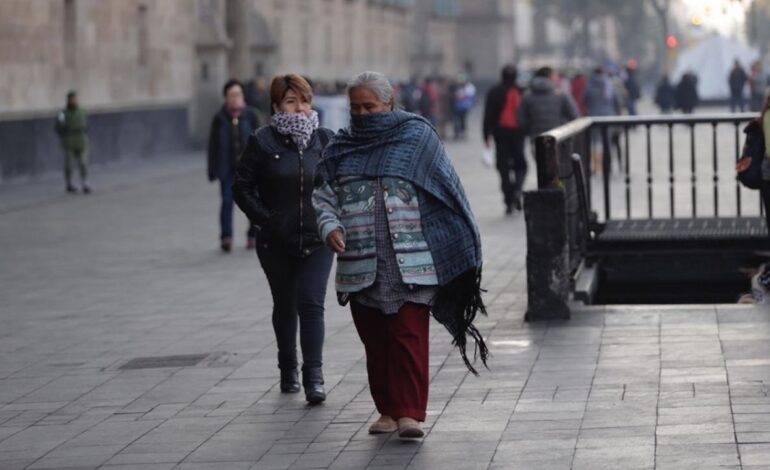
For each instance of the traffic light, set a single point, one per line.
(672, 42)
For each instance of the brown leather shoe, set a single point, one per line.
(409, 428)
(384, 425)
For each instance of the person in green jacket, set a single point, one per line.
(72, 127)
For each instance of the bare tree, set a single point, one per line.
(661, 9)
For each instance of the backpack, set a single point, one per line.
(749, 167)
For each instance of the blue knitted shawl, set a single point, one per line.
(404, 145)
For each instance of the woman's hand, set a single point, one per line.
(336, 241)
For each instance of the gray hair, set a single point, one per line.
(375, 82)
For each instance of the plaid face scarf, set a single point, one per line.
(297, 126)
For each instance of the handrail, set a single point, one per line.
(572, 128)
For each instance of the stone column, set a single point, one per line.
(211, 69)
(548, 272)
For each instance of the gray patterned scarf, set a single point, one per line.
(297, 126)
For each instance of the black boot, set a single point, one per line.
(289, 381)
(313, 380)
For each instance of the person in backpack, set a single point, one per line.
(501, 126)
(230, 129)
(273, 187)
(72, 127)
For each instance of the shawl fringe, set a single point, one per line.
(456, 306)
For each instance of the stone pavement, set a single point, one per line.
(132, 271)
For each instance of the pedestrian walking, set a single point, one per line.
(665, 95)
(578, 87)
(273, 186)
(501, 125)
(602, 99)
(687, 93)
(543, 107)
(257, 96)
(737, 81)
(72, 127)
(230, 129)
(633, 90)
(765, 189)
(464, 99)
(390, 204)
(428, 106)
(760, 282)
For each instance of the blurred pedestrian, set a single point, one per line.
(602, 99)
(464, 99)
(665, 95)
(765, 189)
(230, 129)
(72, 127)
(757, 86)
(392, 207)
(633, 90)
(444, 113)
(543, 107)
(257, 96)
(429, 97)
(687, 93)
(737, 81)
(410, 95)
(501, 124)
(578, 90)
(273, 186)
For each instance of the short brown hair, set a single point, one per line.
(283, 83)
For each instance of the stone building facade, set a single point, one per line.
(150, 71)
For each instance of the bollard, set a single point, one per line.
(548, 274)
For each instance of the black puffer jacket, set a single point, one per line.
(544, 108)
(273, 187)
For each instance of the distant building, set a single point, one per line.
(150, 71)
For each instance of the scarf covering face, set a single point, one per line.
(297, 126)
(404, 145)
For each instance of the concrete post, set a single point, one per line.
(548, 273)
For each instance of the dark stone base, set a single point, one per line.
(30, 147)
(548, 273)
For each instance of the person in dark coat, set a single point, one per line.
(633, 89)
(230, 129)
(687, 93)
(737, 81)
(273, 186)
(665, 95)
(501, 125)
(543, 107)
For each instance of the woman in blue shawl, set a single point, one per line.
(392, 207)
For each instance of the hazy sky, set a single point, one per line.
(725, 16)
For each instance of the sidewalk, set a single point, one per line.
(133, 271)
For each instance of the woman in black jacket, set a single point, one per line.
(273, 186)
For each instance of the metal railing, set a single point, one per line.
(667, 164)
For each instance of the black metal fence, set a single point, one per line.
(665, 167)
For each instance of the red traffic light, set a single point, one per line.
(672, 41)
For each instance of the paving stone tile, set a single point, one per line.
(587, 393)
(696, 455)
(613, 457)
(755, 454)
